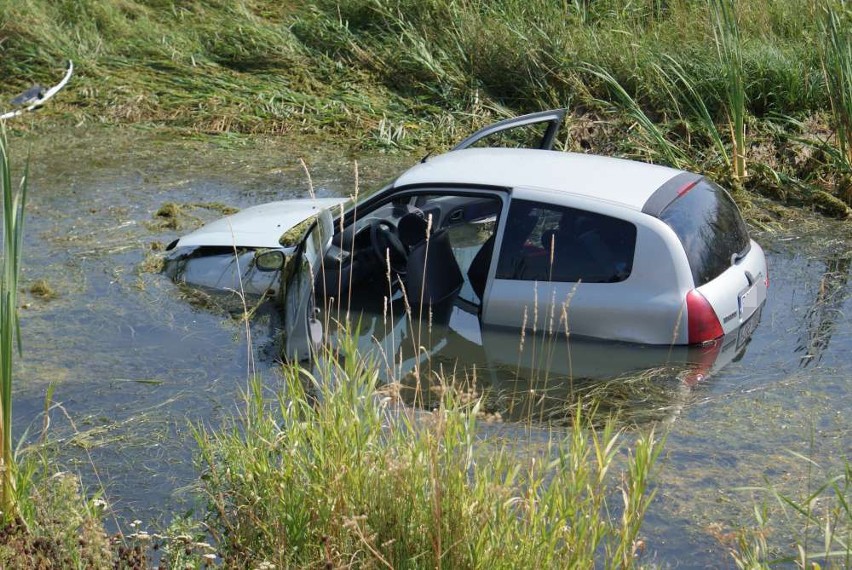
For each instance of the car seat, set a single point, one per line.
(477, 273)
(432, 272)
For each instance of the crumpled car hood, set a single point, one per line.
(258, 226)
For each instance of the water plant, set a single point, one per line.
(338, 472)
(836, 58)
(819, 521)
(14, 200)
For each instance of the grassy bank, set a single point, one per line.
(756, 93)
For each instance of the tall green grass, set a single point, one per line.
(335, 65)
(338, 474)
(837, 66)
(656, 143)
(14, 200)
(726, 31)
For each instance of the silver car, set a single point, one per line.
(513, 234)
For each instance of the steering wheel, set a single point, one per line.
(386, 243)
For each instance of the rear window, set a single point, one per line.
(553, 243)
(710, 227)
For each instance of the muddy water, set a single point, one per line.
(135, 361)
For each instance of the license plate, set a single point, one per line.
(747, 329)
(749, 301)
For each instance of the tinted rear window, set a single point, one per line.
(710, 228)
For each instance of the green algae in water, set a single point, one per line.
(41, 289)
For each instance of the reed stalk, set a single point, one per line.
(726, 32)
(678, 84)
(836, 58)
(654, 136)
(13, 226)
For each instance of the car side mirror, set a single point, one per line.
(269, 260)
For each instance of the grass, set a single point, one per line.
(405, 75)
(382, 59)
(336, 473)
(726, 31)
(837, 65)
(14, 200)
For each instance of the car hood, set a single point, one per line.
(258, 226)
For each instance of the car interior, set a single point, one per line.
(431, 248)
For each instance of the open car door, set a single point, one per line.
(536, 130)
(303, 331)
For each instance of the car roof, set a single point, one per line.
(625, 182)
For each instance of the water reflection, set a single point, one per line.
(826, 309)
(536, 376)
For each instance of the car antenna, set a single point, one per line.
(425, 158)
(36, 96)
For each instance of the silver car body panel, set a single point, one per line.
(646, 307)
(303, 332)
(260, 228)
(623, 182)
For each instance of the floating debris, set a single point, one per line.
(42, 290)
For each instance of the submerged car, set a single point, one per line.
(512, 235)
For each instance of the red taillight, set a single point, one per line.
(767, 276)
(704, 325)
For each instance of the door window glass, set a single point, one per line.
(554, 243)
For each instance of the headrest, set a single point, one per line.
(412, 228)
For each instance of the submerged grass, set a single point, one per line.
(337, 475)
(819, 522)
